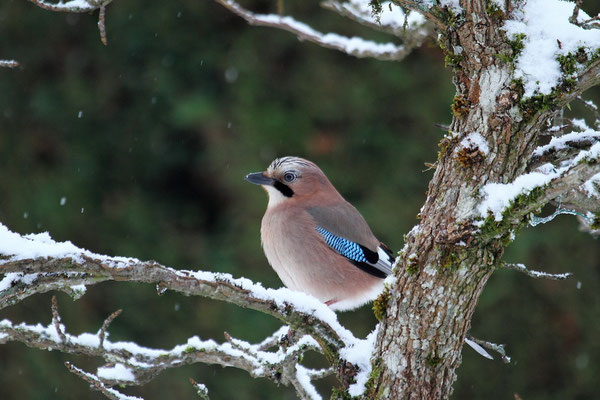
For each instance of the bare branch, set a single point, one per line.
(9, 63)
(355, 46)
(536, 274)
(498, 348)
(56, 320)
(591, 23)
(575, 15)
(97, 384)
(107, 321)
(102, 25)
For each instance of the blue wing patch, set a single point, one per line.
(359, 255)
(345, 247)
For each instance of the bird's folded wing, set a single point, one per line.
(346, 232)
(359, 255)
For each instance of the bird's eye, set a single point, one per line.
(289, 176)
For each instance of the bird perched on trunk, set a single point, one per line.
(316, 241)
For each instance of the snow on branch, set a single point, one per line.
(97, 384)
(412, 27)
(354, 46)
(9, 64)
(564, 147)
(35, 263)
(537, 188)
(536, 274)
(72, 6)
(80, 6)
(201, 389)
(584, 200)
(130, 364)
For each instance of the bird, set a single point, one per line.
(316, 241)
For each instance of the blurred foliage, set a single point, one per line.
(148, 140)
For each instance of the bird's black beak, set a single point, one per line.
(259, 179)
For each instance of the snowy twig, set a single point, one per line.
(288, 367)
(274, 339)
(427, 9)
(355, 46)
(498, 348)
(80, 6)
(560, 210)
(412, 28)
(35, 263)
(72, 6)
(362, 15)
(563, 148)
(201, 390)
(535, 274)
(131, 364)
(549, 183)
(97, 384)
(9, 63)
(573, 178)
(46, 274)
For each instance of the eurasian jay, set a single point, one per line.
(316, 241)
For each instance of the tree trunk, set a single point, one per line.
(447, 260)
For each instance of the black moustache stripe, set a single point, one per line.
(284, 189)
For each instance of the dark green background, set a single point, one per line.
(154, 169)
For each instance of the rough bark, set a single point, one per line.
(446, 261)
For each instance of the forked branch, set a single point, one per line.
(129, 364)
(34, 264)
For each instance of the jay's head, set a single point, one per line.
(292, 178)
